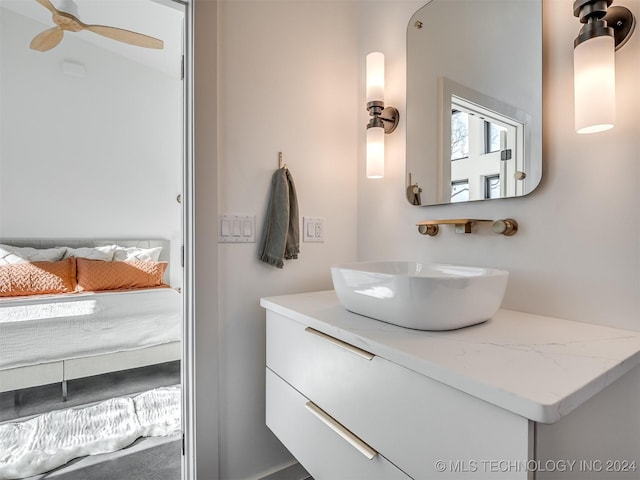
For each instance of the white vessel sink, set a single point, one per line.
(420, 296)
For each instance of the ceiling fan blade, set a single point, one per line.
(48, 5)
(126, 36)
(47, 40)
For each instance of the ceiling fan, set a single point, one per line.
(66, 18)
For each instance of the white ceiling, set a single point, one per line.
(162, 19)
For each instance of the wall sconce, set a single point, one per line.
(383, 120)
(604, 31)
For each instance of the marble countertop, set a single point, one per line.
(538, 367)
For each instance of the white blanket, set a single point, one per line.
(51, 328)
(52, 439)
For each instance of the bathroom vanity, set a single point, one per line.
(518, 397)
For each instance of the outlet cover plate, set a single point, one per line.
(313, 229)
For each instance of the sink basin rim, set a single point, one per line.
(431, 270)
(421, 296)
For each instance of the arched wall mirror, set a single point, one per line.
(474, 100)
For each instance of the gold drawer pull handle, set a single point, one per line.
(358, 351)
(337, 427)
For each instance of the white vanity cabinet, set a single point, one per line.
(412, 422)
(353, 398)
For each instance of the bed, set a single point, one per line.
(57, 337)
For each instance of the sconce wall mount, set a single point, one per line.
(383, 117)
(600, 19)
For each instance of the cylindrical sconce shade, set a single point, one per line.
(375, 152)
(375, 77)
(595, 84)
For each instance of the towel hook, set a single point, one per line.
(280, 161)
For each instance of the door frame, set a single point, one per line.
(188, 286)
(200, 288)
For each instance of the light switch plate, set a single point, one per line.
(313, 229)
(237, 228)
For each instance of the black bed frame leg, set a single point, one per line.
(64, 390)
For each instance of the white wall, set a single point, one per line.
(92, 157)
(576, 255)
(287, 82)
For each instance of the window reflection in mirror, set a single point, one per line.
(460, 191)
(485, 143)
(484, 163)
(459, 134)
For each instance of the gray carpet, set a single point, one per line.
(155, 458)
(137, 462)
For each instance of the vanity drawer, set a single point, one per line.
(323, 447)
(412, 420)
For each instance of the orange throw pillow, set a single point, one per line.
(96, 275)
(35, 278)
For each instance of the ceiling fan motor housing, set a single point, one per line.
(70, 7)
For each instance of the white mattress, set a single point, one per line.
(50, 328)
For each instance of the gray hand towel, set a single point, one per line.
(281, 236)
(293, 236)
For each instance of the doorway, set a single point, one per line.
(92, 152)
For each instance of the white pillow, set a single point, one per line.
(134, 253)
(92, 253)
(10, 254)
